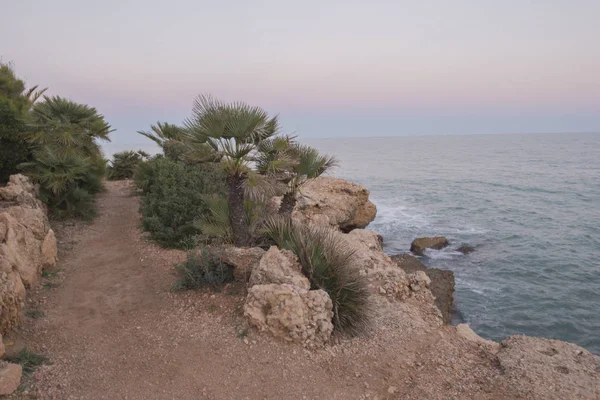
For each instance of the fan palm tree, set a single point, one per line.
(163, 132)
(230, 133)
(293, 164)
(69, 126)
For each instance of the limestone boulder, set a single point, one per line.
(384, 276)
(419, 245)
(328, 201)
(10, 378)
(242, 259)
(279, 267)
(549, 369)
(49, 250)
(290, 313)
(280, 301)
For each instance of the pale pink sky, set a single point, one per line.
(330, 68)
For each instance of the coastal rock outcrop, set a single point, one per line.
(419, 245)
(328, 201)
(280, 301)
(441, 286)
(27, 245)
(549, 369)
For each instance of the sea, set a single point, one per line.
(528, 203)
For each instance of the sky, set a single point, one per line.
(329, 68)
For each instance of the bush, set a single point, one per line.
(174, 199)
(13, 147)
(203, 269)
(124, 164)
(325, 260)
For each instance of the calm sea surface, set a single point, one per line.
(529, 203)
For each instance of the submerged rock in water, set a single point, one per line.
(419, 245)
(466, 249)
(441, 286)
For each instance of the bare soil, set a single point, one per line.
(113, 329)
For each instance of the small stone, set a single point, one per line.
(392, 389)
(10, 378)
(246, 341)
(382, 290)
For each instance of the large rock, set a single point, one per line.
(27, 245)
(290, 313)
(383, 274)
(242, 259)
(49, 250)
(549, 369)
(10, 378)
(279, 267)
(279, 301)
(419, 245)
(334, 202)
(441, 286)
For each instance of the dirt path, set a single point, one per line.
(113, 330)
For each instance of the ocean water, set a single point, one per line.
(530, 204)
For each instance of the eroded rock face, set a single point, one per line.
(279, 301)
(290, 313)
(465, 331)
(550, 369)
(27, 245)
(419, 245)
(327, 201)
(441, 286)
(382, 273)
(242, 259)
(279, 267)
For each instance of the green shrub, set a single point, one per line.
(325, 260)
(29, 360)
(174, 199)
(13, 147)
(203, 269)
(124, 164)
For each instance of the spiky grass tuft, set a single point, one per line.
(325, 260)
(202, 269)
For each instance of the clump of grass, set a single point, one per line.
(48, 285)
(203, 269)
(325, 260)
(242, 333)
(50, 273)
(35, 314)
(29, 360)
(212, 308)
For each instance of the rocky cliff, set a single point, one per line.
(27, 246)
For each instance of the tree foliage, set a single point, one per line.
(15, 102)
(125, 163)
(230, 133)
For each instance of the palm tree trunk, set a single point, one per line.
(288, 202)
(237, 217)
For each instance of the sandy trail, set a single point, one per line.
(113, 330)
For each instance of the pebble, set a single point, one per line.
(392, 389)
